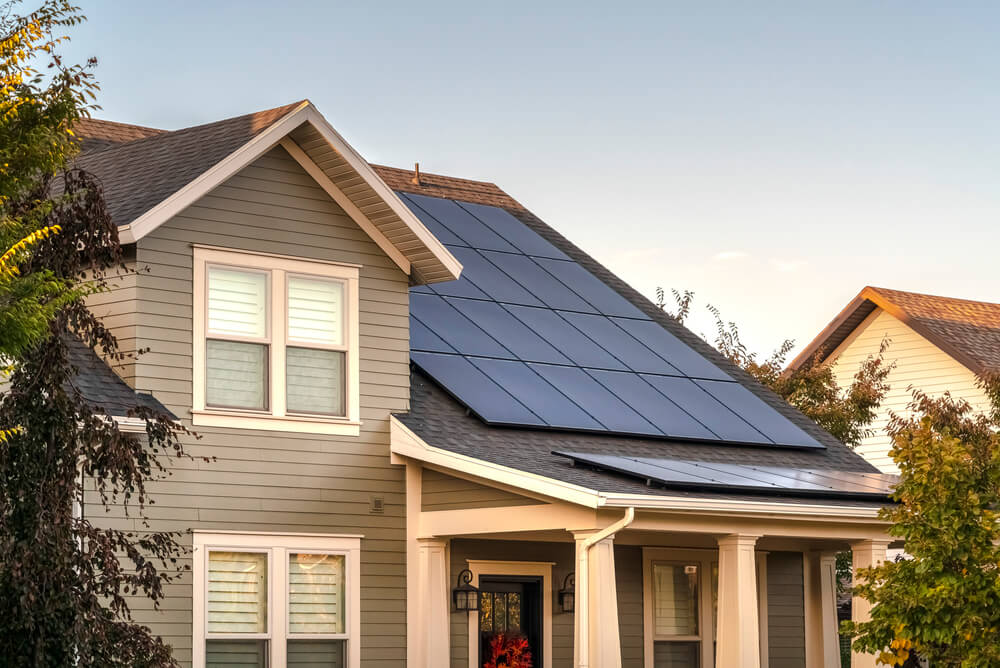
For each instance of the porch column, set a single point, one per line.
(820, 580)
(432, 605)
(738, 639)
(865, 553)
(597, 643)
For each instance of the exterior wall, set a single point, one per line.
(277, 481)
(786, 630)
(445, 492)
(919, 363)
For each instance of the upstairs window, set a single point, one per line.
(276, 343)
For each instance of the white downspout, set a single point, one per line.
(583, 581)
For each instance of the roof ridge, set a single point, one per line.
(889, 291)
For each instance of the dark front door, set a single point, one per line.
(510, 606)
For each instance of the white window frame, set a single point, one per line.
(278, 547)
(705, 559)
(276, 417)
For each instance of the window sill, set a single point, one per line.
(301, 424)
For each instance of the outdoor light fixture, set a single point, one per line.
(466, 596)
(567, 595)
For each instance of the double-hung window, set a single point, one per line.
(276, 343)
(276, 601)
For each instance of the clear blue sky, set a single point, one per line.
(774, 157)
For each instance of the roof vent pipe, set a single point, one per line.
(416, 174)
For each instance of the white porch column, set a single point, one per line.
(866, 553)
(432, 605)
(820, 580)
(597, 643)
(738, 639)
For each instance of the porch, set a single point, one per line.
(678, 582)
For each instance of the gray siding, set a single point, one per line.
(786, 635)
(628, 578)
(264, 480)
(445, 492)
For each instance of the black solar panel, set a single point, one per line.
(527, 336)
(772, 480)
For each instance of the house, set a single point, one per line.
(938, 345)
(412, 390)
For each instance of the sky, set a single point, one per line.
(773, 157)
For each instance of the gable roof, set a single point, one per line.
(149, 176)
(443, 422)
(968, 331)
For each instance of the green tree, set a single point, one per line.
(941, 603)
(40, 99)
(847, 413)
(65, 584)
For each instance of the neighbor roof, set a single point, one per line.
(969, 331)
(443, 422)
(149, 175)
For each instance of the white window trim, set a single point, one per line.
(541, 569)
(278, 546)
(276, 418)
(705, 559)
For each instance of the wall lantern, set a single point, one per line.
(567, 595)
(465, 596)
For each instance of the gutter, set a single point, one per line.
(583, 581)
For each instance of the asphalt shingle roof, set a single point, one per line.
(967, 330)
(101, 387)
(141, 173)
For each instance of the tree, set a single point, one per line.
(39, 102)
(942, 603)
(847, 413)
(65, 583)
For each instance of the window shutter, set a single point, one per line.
(315, 593)
(237, 303)
(675, 604)
(237, 593)
(315, 310)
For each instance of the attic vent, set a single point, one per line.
(377, 505)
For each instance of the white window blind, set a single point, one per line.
(237, 303)
(236, 601)
(675, 600)
(315, 380)
(236, 374)
(315, 594)
(315, 310)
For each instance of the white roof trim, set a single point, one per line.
(261, 144)
(405, 443)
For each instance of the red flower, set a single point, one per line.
(509, 650)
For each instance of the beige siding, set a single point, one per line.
(276, 481)
(919, 363)
(786, 636)
(444, 492)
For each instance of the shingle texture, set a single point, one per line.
(101, 387)
(967, 330)
(97, 135)
(443, 422)
(141, 173)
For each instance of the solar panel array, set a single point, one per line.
(529, 337)
(779, 480)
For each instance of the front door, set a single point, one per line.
(510, 617)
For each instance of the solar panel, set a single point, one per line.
(514, 231)
(771, 480)
(477, 391)
(565, 349)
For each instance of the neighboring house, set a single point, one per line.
(938, 344)
(405, 379)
